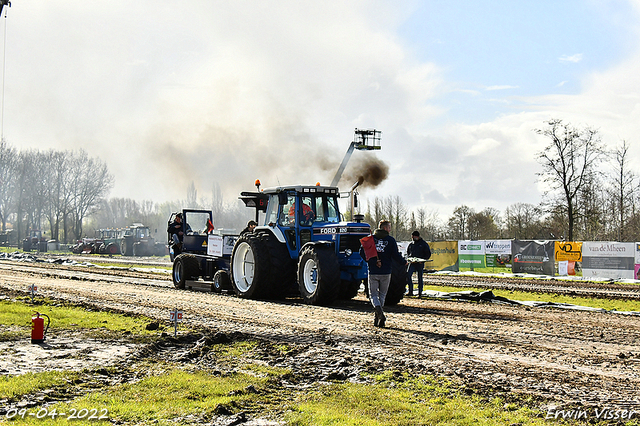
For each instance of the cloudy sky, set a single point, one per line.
(226, 92)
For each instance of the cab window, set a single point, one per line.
(332, 210)
(320, 210)
(287, 212)
(272, 212)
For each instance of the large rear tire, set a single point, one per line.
(139, 249)
(185, 267)
(318, 275)
(282, 268)
(126, 246)
(250, 269)
(349, 289)
(398, 283)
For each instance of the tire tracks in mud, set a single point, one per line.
(571, 357)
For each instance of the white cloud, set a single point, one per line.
(571, 58)
(504, 87)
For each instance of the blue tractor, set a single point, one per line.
(301, 247)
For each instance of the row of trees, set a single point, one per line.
(592, 195)
(57, 190)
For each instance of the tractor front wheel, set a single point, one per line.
(318, 275)
(221, 281)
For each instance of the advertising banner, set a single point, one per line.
(566, 250)
(471, 254)
(533, 257)
(444, 255)
(637, 268)
(608, 260)
(499, 247)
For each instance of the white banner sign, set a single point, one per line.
(219, 245)
(497, 247)
(608, 260)
(471, 247)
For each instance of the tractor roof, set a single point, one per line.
(305, 189)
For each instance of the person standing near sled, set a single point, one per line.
(418, 248)
(380, 269)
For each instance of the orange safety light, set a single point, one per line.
(317, 183)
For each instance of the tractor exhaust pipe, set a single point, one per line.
(353, 196)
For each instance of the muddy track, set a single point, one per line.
(586, 358)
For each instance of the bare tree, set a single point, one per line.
(623, 191)
(522, 220)
(568, 161)
(57, 190)
(458, 225)
(91, 182)
(482, 225)
(192, 196)
(591, 216)
(8, 158)
(398, 218)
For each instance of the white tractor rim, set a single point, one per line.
(310, 276)
(177, 273)
(243, 267)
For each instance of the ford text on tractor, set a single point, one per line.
(303, 246)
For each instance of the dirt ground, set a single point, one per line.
(564, 358)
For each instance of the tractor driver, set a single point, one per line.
(176, 232)
(307, 214)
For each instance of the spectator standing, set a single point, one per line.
(380, 269)
(418, 248)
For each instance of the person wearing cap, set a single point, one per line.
(418, 248)
(176, 232)
(251, 225)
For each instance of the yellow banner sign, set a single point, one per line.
(444, 255)
(567, 250)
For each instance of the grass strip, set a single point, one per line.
(608, 304)
(18, 314)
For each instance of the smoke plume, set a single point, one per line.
(367, 168)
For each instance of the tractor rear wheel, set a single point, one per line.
(221, 281)
(139, 249)
(397, 285)
(126, 246)
(349, 289)
(185, 267)
(318, 275)
(250, 269)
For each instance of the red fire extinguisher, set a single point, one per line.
(38, 330)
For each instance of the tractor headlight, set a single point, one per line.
(348, 252)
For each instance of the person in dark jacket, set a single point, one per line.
(418, 248)
(380, 269)
(177, 234)
(251, 225)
